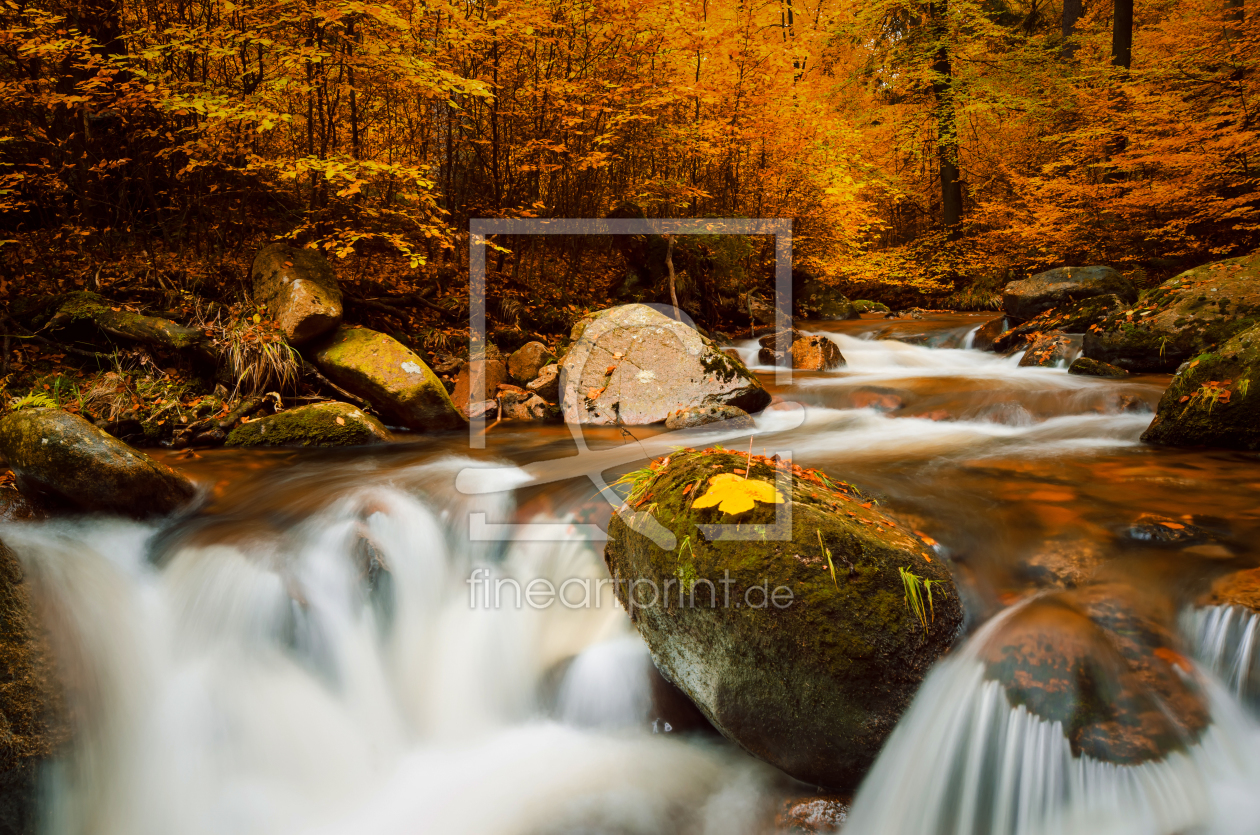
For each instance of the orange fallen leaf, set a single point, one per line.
(1173, 526)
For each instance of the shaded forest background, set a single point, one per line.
(928, 151)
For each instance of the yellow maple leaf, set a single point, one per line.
(734, 494)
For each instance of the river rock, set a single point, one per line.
(1238, 588)
(809, 353)
(496, 374)
(525, 363)
(867, 306)
(1071, 317)
(64, 459)
(547, 384)
(1022, 300)
(320, 424)
(1211, 401)
(823, 814)
(813, 684)
(1086, 367)
(381, 370)
(631, 365)
(299, 289)
(816, 300)
(989, 331)
(32, 708)
(1048, 351)
(694, 416)
(519, 404)
(1185, 316)
(1099, 662)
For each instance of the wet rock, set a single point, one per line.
(1086, 367)
(1062, 564)
(770, 352)
(809, 353)
(60, 458)
(1071, 317)
(1239, 588)
(1022, 300)
(209, 438)
(519, 404)
(692, 416)
(320, 424)
(813, 684)
(631, 365)
(299, 289)
(1103, 665)
(496, 374)
(382, 371)
(823, 813)
(546, 383)
(525, 363)
(878, 398)
(488, 409)
(1153, 529)
(989, 331)
(1211, 401)
(1185, 316)
(32, 702)
(1048, 351)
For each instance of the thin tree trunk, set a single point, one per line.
(1072, 11)
(946, 121)
(669, 265)
(1122, 35)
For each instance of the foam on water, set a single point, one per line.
(1227, 640)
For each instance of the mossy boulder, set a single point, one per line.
(64, 460)
(817, 300)
(632, 365)
(806, 667)
(1071, 317)
(32, 709)
(1024, 299)
(300, 291)
(1214, 400)
(1048, 350)
(867, 306)
(1181, 318)
(381, 370)
(320, 424)
(1086, 367)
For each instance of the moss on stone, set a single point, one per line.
(315, 425)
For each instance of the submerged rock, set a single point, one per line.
(62, 458)
(1239, 588)
(823, 813)
(804, 661)
(1181, 318)
(1212, 401)
(1048, 351)
(381, 370)
(1022, 300)
(692, 416)
(299, 289)
(632, 365)
(32, 710)
(1086, 367)
(320, 424)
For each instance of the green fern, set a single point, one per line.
(34, 400)
(637, 480)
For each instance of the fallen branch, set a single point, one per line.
(60, 346)
(409, 300)
(309, 370)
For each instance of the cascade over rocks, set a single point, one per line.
(63, 459)
(1073, 317)
(385, 373)
(814, 685)
(988, 332)
(1048, 351)
(632, 365)
(300, 291)
(320, 424)
(809, 353)
(1022, 300)
(1181, 318)
(1214, 399)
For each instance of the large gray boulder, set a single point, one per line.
(384, 372)
(631, 365)
(66, 460)
(299, 289)
(1022, 300)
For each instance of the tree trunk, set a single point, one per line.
(1122, 35)
(669, 265)
(946, 125)
(1234, 15)
(1072, 11)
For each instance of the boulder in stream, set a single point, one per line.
(692, 416)
(809, 352)
(1071, 317)
(1214, 400)
(1049, 350)
(320, 424)
(65, 460)
(1086, 367)
(987, 333)
(631, 365)
(1185, 316)
(496, 374)
(381, 370)
(1024, 299)
(299, 289)
(799, 642)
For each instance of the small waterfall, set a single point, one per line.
(607, 686)
(964, 761)
(1225, 639)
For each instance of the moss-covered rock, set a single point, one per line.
(1214, 400)
(66, 460)
(1048, 350)
(1181, 318)
(1070, 317)
(866, 306)
(300, 290)
(806, 666)
(382, 371)
(32, 711)
(1024, 299)
(817, 300)
(320, 424)
(632, 365)
(80, 312)
(1086, 367)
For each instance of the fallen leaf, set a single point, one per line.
(732, 494)
(1173, 526)
(341, 421)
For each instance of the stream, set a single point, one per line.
(303, 655)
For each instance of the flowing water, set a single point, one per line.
(305, 653)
